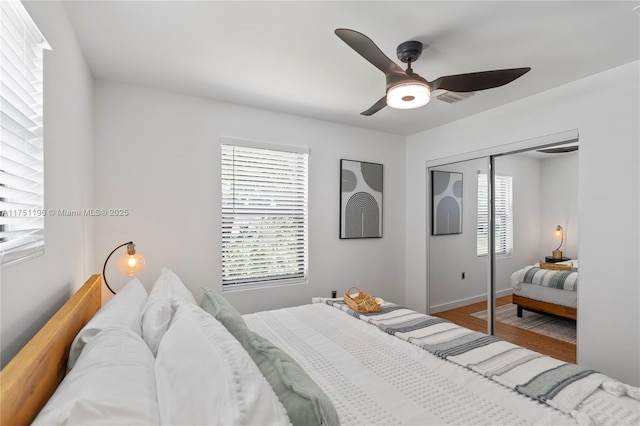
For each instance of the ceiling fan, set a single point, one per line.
(406, 89)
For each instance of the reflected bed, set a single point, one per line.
(548, 288)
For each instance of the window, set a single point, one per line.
(503, 215)
(264, 216)
(21, 160)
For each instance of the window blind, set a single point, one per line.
(21, 155)
(264, 215)
(503, 215)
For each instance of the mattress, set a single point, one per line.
(547, 294)
(375, 378)
(543, 293)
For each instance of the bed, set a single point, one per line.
(548, 288)
(203, 363)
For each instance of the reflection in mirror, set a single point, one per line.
(457, 277)
(544, 196)
(534, 193)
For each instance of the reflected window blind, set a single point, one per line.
(264, 216)
(503, 215)
(21, 156)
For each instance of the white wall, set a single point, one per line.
(527, 202)
(608, 189)
(33, 290)
(158, 155)
(559, 204)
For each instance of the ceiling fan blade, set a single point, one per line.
(368, 50)
(376, 107)
(559, 150)
(475, 81)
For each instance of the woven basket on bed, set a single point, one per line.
(362, 303)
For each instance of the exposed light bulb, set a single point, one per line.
(557, 233)
(131, 263)
(408, 95)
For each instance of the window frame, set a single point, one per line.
(22, 213)
(229, 212)
(503, 212)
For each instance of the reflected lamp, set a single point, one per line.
(558, 234)
(129, 263)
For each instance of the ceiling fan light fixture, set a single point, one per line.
(408, 95)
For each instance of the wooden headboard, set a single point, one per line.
(30, 378)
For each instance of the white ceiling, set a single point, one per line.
(284, 56)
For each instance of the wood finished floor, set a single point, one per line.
(537, 342)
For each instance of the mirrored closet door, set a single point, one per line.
(536, 256)
(458, 241)
(509, 207)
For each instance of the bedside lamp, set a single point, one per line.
(558, 234)
(129, 263)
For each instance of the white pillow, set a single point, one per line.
(113, 382)
(123, 310)
(205, 377)
(168, 291)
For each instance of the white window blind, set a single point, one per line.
(21, 156)
(503, 215)
(264, 216)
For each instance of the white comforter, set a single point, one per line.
(375, 378)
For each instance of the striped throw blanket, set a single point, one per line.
(557, 383)
(565, 280)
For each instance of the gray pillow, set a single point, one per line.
(305, 402)
(215, 303)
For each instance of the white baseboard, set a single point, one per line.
(464, 302)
